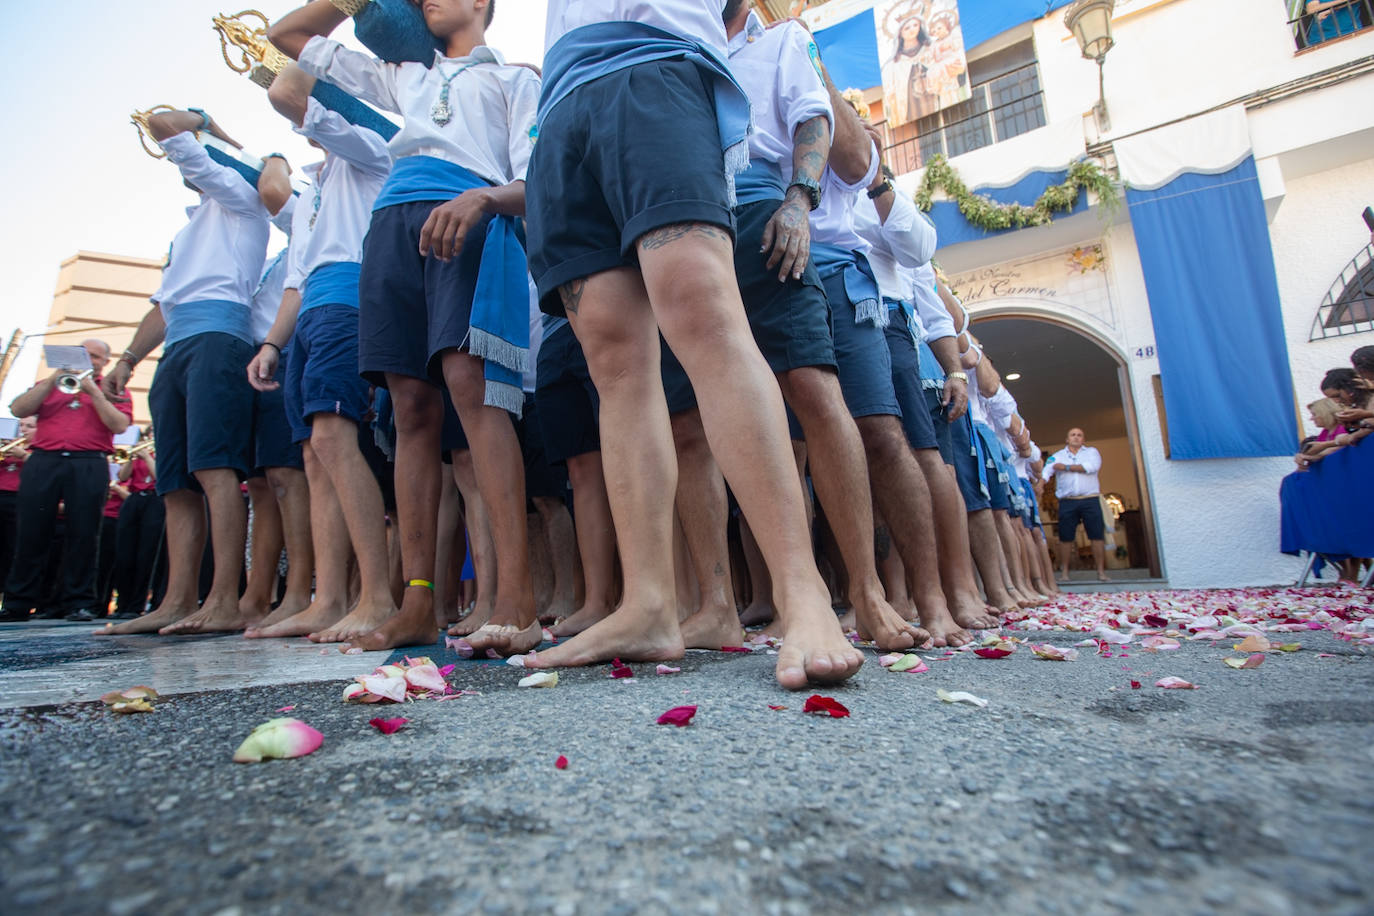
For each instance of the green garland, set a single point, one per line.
(988, 214)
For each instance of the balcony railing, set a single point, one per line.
(1328, 21)
(999, 109)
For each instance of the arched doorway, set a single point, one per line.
(1064, 376)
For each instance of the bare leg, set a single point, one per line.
(702, 506)
(228, 530)
(292, 494)
(760, 609)
(951, 532)
(419, 419)
(479, 542)
(496, 461)
(448, 541)
(987, 553)
(893, 573)
(1011, 547)
(185, 543)
(596, 543)
(836, 452)
(541, 563)
(1065, 554)
(331, 552)
(901, 494)
(558, 529)
(1042, 556)
(268, 540)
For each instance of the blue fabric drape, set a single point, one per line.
(395, 31)
(850, 52)
(1214, 300)
(953, 228)
(984, 19)
(1328, 509)
(357, 113)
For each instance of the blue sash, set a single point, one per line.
(331, 284)
(761, 181)
(859, 283)
(357, 113)
(187, 319)
(594, 51)
(932, 375)
(499, 329)
(395, 31)
(908, 316)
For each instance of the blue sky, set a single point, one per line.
(78, 179)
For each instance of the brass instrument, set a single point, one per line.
(140, 120)
(70, 382)
(124, 453)
(257, 57)
(13, 444)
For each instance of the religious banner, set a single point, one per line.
(921, 47)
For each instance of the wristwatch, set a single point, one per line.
(204, 118)
(811, 186)
(880, 190)
(961, 376)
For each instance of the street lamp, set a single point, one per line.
(1090, 21)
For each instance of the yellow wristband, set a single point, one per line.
(420, 583)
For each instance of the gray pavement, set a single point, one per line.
(1069, 792)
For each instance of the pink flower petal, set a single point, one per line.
(1174, 683)
(735, 649)
(386, 688)
(425, 677)
(668, 669)
(561, 763)
(679, 715)
(286, 709)
(992, 653)
(278, 738)
(621, 670)
(387, 726)
(776, 708)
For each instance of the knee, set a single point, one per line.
(417, 408)
(883, 440)
(689, 437)
(585, 471)
(328, 437)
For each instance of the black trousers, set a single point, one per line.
(78, 480)
(8, 501)
(104, 577)
(141, 521)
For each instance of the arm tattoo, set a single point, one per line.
(811, 148)
(571, 294)
(666, 235)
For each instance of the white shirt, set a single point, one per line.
(930, 308)
(531, 374)
(699, 20)
(493, 104)
(904, 239)
(343, 187)
(1069, 484)
(267, 297)
(775, 69)
(832, 223)
(219, 254)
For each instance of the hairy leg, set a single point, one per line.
(268, 540)
(987, 553)
(185, 526)
(558, 531)
(228, 530)
(951, 533)
(479, 542)
(596, 543)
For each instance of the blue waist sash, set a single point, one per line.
(331, 284)
(908, 316)
(499, 329)
(597, 50)
(187, 319)
(761, 181)
(859, 282)
(395, 31)
(357, 113)
(932, 375)
(990, 450)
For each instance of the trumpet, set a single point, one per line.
(124, 453)
(70, 383)
(13, 444)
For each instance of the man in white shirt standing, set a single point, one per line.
(202, 405)
(1075, 469)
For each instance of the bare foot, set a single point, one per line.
(631, 634)
(973, 614)
(849, 621)
(774, 630)
(756, 614)
(213, 617)
(412, 625)
(507, 639)
(1103, 577)
(711, 628)
(358, 622)
(284, 611)
(474, 621)
(149, 623)
(814, 649)
(876, 620)
(580, 620)
(943, 630)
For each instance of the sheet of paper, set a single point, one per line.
(63, 357)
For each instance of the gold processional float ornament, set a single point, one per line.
(139, 119)
(256, 55)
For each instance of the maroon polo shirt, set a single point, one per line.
(9, 473)
(141, 477)
(63, 427)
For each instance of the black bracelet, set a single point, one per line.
(268, 343)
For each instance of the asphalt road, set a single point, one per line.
(1070, 792)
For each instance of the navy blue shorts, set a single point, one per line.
(939, 419)
(412, 307)
(567, 402)
(966, 465)
(791, 320)
(863, 358)
(323, 374)
(543, 478)
(677, 388)
(994, 469)
(202, 408)
(620, 156)
(273, 443)
(1071, 512)
(906, 382)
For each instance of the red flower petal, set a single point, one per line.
(992, 653)
(387, 726)
(775, 708)
(561, 763)
(1135, 685)
(1155, 620)
(826, 705)
(735, 649)
(678, 715)
(620, 669)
